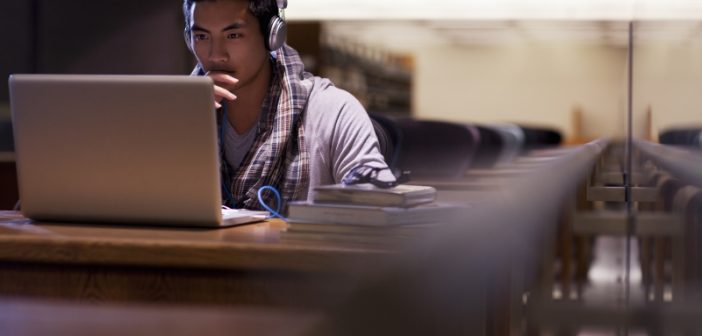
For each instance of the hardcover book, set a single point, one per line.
(403, 195)
(327, 213)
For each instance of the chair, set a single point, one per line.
(389, 137)
(512, 139)
(489, 149)
(682, 136)
(540, 137)
(688, 203)
(436, 149)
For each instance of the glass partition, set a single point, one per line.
(666, 138)
(571, 76)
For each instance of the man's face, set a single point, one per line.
(225, 37)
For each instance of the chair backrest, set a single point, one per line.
(389, 137)
(682, 136)
(540, 137)
(436, 149)
(489, 149)
(512, 139)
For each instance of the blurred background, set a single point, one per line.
(538, 63)
(555, 65)
(606, 69)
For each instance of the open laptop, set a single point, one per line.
(119, 149)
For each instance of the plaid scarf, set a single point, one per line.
(278, 156)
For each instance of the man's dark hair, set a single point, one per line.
(263, 10)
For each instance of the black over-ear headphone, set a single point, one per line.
(277, 28)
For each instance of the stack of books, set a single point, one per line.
(363, 213)
(403, 195)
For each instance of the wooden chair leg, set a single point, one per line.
(659, 264)
(645, 257)
(566, 252)
(583, 256)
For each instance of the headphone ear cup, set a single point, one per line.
(277, 32)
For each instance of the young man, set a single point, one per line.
(279, 125)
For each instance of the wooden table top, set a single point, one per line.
(251, 246)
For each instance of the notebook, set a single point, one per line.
(129, 149)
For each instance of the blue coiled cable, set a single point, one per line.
(278, 200)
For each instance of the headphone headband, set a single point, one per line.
(282, 5)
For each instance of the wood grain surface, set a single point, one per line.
(247, 264)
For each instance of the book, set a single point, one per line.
(381, 241)
(328, 213)
(362, 230)
(403, 195)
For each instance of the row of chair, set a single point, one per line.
(430, 148)
(691, 137)
(676, 177)
(665, 192)
(434, 149)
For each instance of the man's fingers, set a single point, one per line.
(222, 81)
(222, 78)
(222, 93)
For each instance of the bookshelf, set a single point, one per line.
(380, 79)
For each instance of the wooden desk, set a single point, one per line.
(240, 265)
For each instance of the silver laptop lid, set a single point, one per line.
(116, 148)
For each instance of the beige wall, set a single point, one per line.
(668, 79)
(529, 83)
(493, 71)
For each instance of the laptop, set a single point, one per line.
(129, 149)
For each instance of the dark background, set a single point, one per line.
(88, 36)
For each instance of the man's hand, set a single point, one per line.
(222, 86)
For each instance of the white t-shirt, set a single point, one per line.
(237, 145)
(338, 135)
